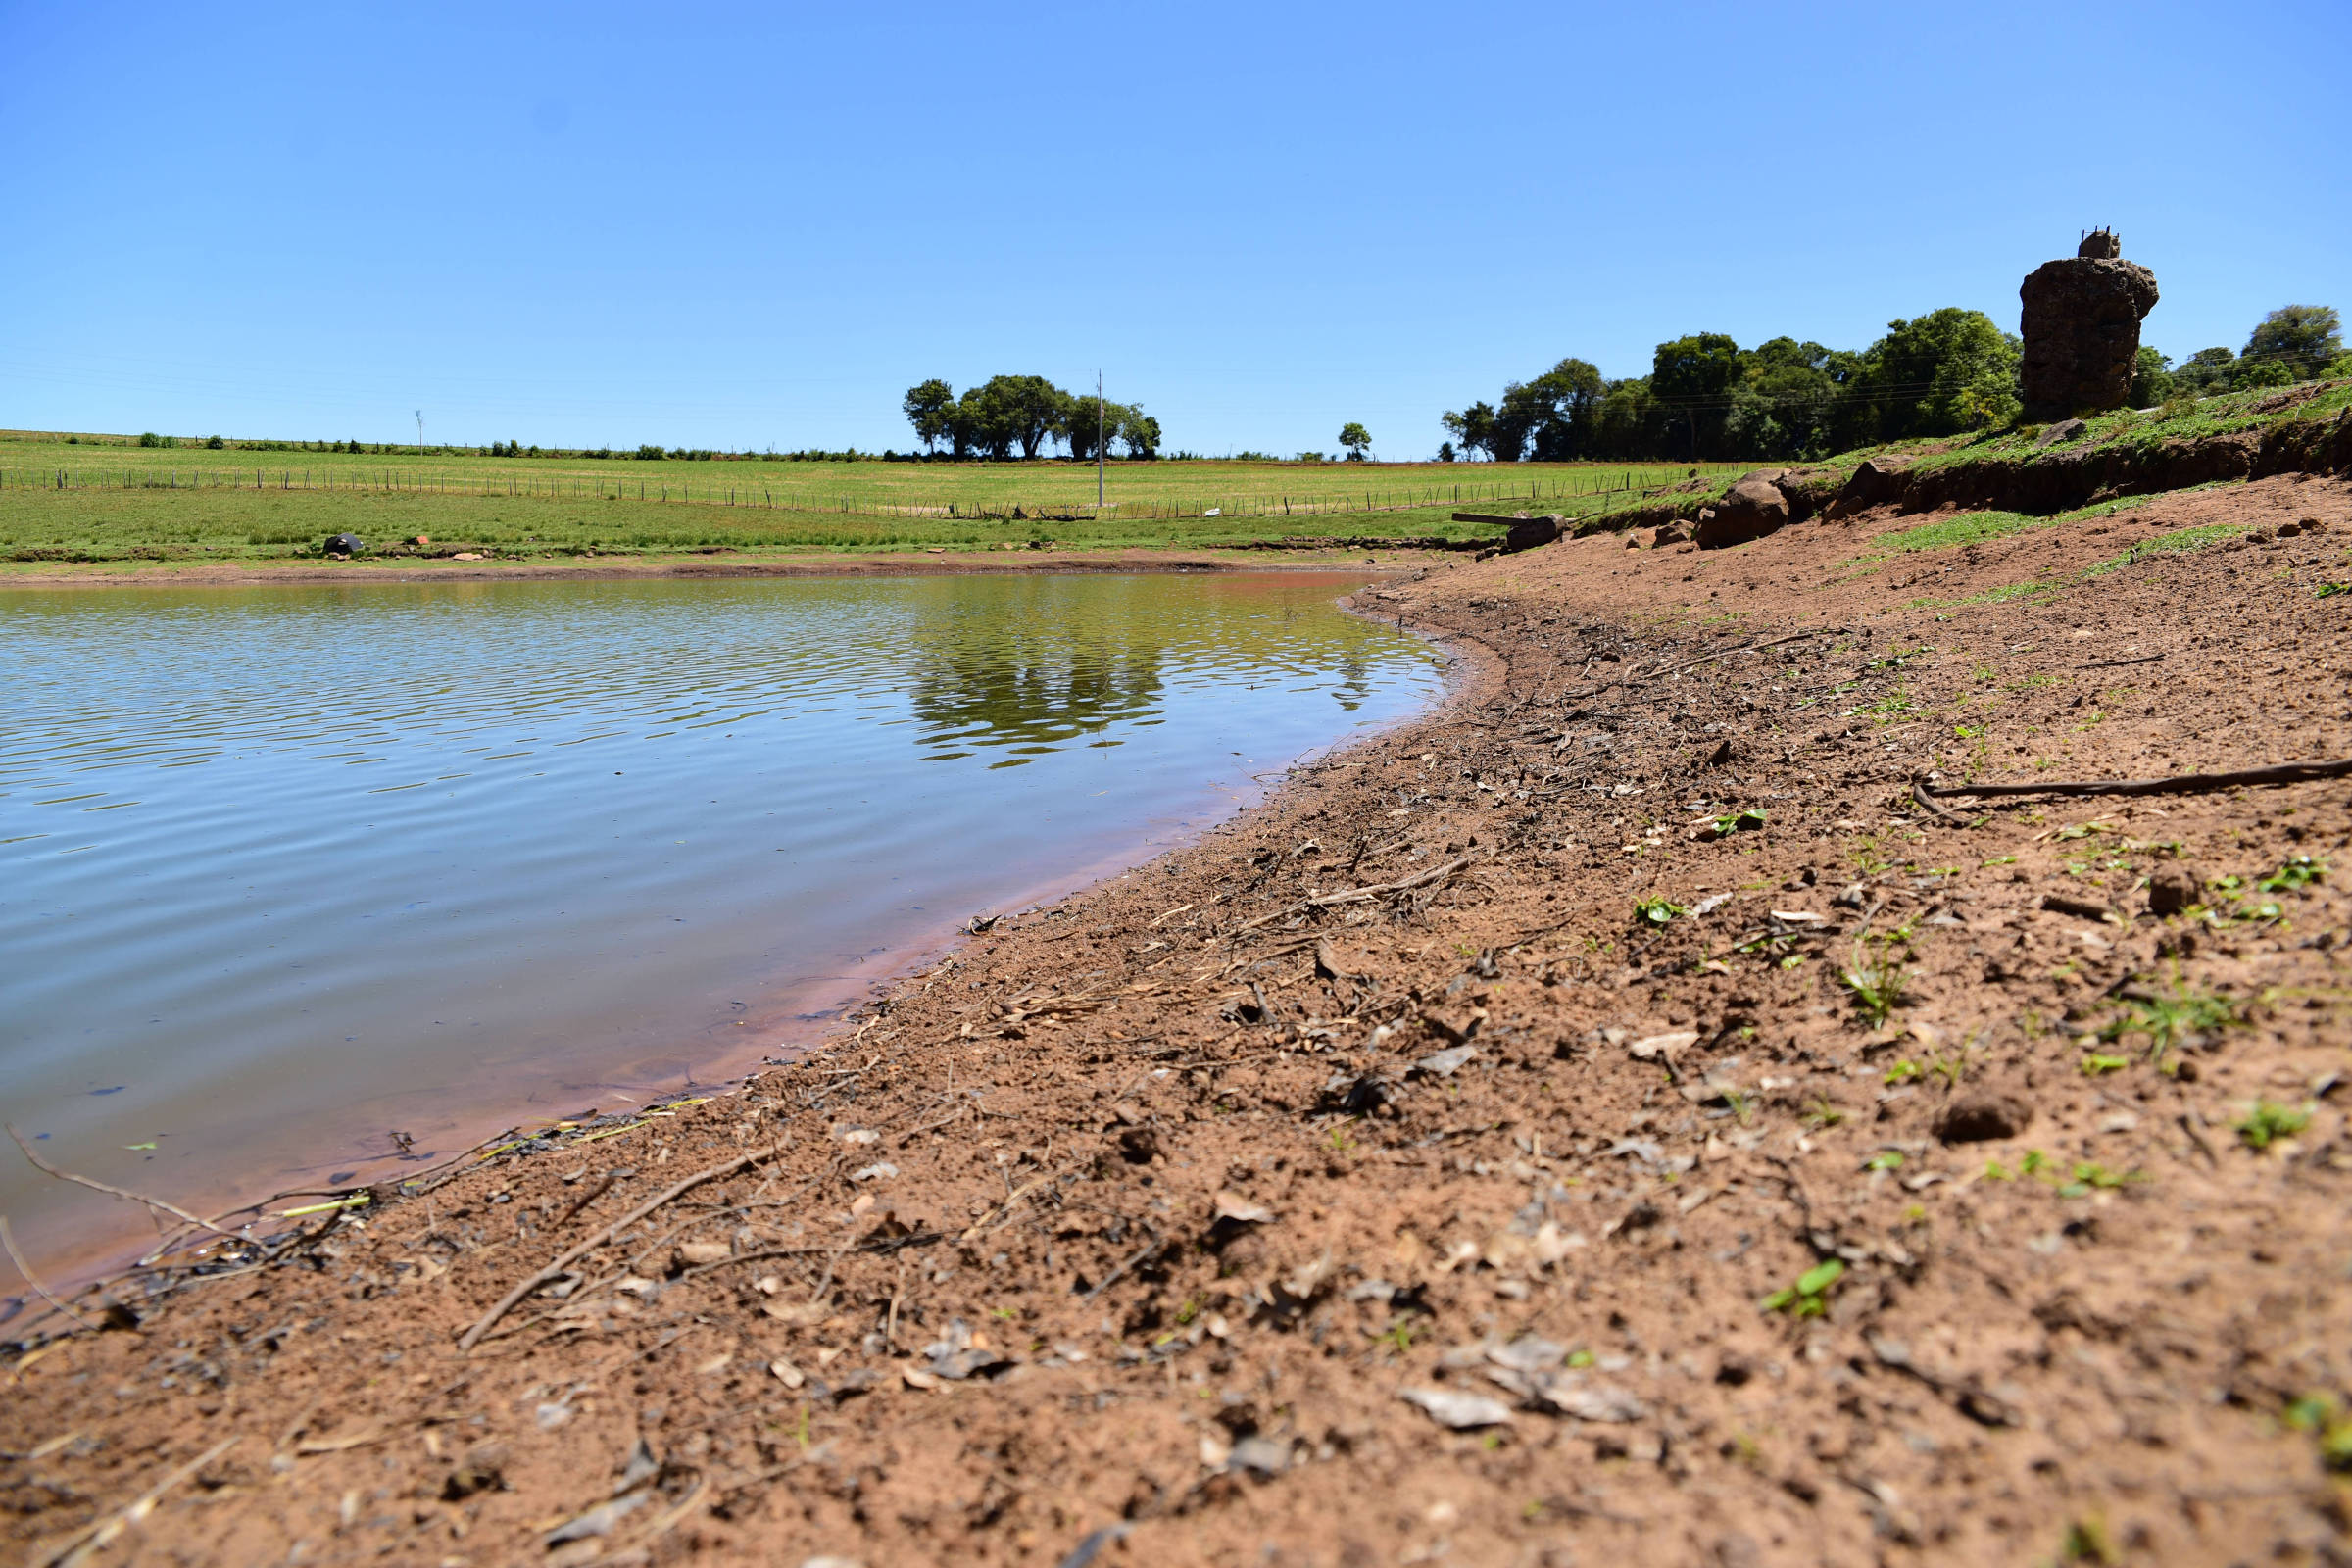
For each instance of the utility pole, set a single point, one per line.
(1099, 440)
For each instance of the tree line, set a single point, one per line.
(1023, 416)
(1941, 373)
(2294, 343)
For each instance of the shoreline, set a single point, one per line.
(1494, 1144)
(594, 568)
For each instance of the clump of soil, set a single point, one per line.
(1611, 1120)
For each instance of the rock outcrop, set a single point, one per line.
(2081, 329)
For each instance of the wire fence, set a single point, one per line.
(1581, 490)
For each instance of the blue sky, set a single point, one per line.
(741, 226)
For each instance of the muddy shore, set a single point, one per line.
(1611, 1118)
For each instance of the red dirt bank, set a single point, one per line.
(1175, 1222)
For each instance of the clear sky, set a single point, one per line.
(736, 226)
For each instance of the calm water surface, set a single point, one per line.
(283, 870)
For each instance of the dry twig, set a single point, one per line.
(2176, 784)
(555, 1271)
(34, 1280)
(88, 1543)
(173, 1210)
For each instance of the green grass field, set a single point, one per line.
(106, 499)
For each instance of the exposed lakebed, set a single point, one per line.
(284, 871)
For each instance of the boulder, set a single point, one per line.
(2081, 329)
(1808, 491)
(1876, 482)
(1754, 508)
(1526, 533)
(2063, 430)
(343, 543)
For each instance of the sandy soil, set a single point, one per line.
(1373, 1183)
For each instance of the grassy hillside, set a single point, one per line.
(108, 499)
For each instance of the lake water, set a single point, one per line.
(286, 870)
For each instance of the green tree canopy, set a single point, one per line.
(1138, 432)
(930, 407)
(1357, 440)
(2206, 372)
(2303, 337)
(1012, 415)
(1945, 371)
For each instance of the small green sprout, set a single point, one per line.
(1902, 1072)
(1657, 911)
(1885, 1160)
(2295, 876)
(1823, 1116)
(2089, 1177)
(2266, 1123)
(1876, 985)
(1579, 1358)
(2169, 1018)
(1808, 1296)
(2317, 1414)
(2094, 1065)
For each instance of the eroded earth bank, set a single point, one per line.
(1611, 1120)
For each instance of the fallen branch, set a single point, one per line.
(876, 1248)
(1131, 1261)
(556, 1270)
(86, 1543)
(2113, 664)
(2177, 784)
(34, 1280)
(173, 1210)
(1325, 901)
(590, 1196)
(1743, 648)
(1921, 792)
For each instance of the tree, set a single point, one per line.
(2151, 378)
(1473, 430)
(1357, 439)
(1935, 374)
(1781, 406)
(931, 408)
(2302, 337)
(2206, 372)
(1010, 412)
(1694, 376)
(1562, 405)
(1138, 432)
(1445, 452)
